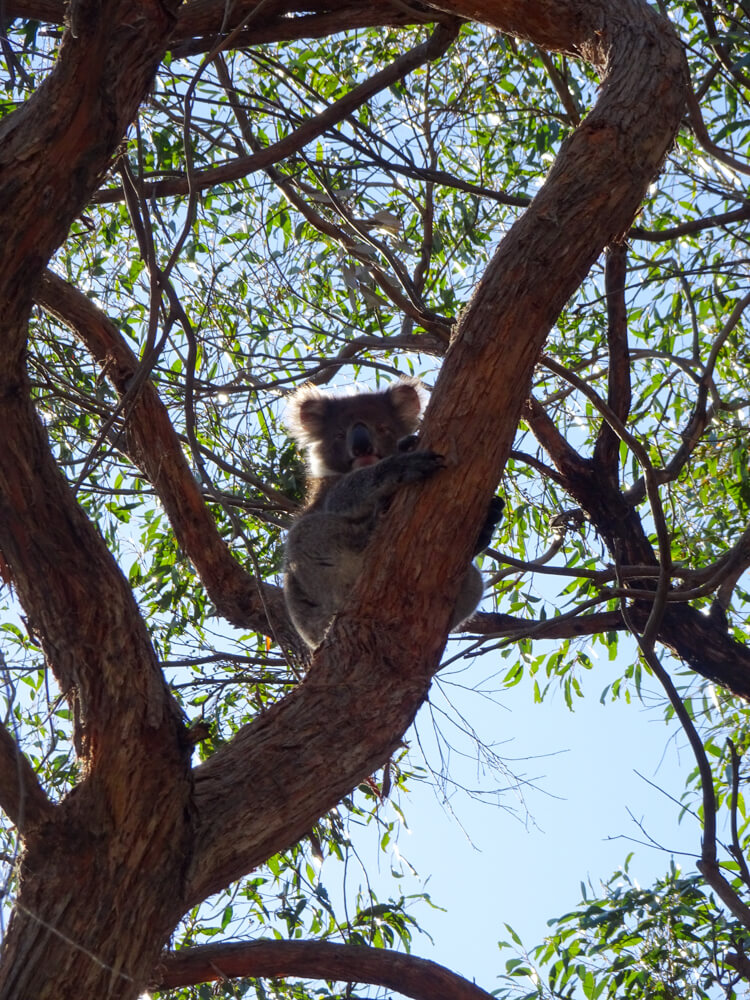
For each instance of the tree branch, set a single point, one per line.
(606, 449)
(22, 798)
(262, 791)
(407, 974)
(441, 38)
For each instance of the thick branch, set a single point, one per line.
(701, 641)
(414, 977)
(133, 800)
(55, 146)
(52, 151)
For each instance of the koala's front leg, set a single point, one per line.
(361, 493)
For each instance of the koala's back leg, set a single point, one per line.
(323, 561)
(469, 596)
(493, 518)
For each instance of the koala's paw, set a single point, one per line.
(414, 466)
(494, 516)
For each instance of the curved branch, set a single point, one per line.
(701, 133)
(348, 963)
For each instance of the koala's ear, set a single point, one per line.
(407, 396)
(305, 414)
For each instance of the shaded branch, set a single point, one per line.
(606, 449)
(711, 872)
(22, 798)
(407, 974)
(736, 848)
(702, 641)
(199, 22)
(279, 27)
(652, 491)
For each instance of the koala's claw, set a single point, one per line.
(416, 465)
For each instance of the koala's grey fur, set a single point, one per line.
(358, 455)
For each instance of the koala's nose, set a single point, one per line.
(360, 440)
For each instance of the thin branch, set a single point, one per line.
(561, 87)
(689, 228)
(442, 37)
(701, 134)
(606, 448)
(708, 865)
(734, 317)
(352, 235)
(736, 848)
(157, 450)
(702, 414)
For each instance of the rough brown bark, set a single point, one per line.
(589, 198)
(107, 874)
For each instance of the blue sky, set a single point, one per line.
(500, 868)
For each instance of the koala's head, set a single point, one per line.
(341, 433)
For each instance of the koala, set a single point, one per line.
(360, 449)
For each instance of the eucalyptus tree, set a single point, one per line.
(541, 210)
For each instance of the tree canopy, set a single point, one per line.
(541, 210)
